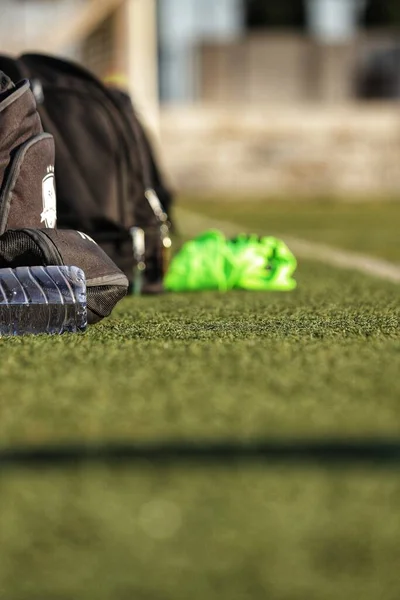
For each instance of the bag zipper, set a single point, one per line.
(50, 251)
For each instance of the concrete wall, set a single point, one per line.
(275, 150)
(27, 25)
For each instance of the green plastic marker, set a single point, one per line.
(248, 262)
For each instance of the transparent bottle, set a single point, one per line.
(139, 255)
(39, 300)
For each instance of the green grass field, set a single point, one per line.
(322, 361)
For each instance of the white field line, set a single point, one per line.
(344, 259)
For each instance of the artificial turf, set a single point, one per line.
(322, 361)
(370, 227)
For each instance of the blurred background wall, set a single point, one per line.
(292, 97)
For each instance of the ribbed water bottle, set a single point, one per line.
(40, 300)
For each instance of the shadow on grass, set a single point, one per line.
(327, 453)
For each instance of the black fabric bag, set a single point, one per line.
(27, 192)
(106, 284)
(105, 168)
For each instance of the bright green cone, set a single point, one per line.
(249, 262)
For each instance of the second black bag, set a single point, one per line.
(107, 179)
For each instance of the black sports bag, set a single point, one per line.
(27, 194)
(107, 179)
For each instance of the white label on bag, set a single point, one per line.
(49, 214)
(86, 237)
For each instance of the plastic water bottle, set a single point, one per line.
(150, 266)
(35, 300)
(139, 255)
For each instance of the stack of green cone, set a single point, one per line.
(248, 262)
